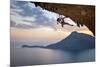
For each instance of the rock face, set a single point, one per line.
(75, 41)
(81, 14)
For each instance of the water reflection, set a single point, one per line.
(34, 56)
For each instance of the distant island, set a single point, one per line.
(75, 41)
(27, 46)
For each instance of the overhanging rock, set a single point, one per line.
(81, 14)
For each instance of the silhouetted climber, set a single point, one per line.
(62, 22)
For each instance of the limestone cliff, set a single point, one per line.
(81, 14)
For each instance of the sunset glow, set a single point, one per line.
(35, 26)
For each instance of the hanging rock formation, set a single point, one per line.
(81, 14)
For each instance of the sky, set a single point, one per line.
(32, 25)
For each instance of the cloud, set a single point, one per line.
(25, 14)
(20, 21)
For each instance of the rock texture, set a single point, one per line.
(81, 14)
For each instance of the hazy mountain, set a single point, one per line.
(75, 41)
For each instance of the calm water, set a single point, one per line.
(34, 56)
